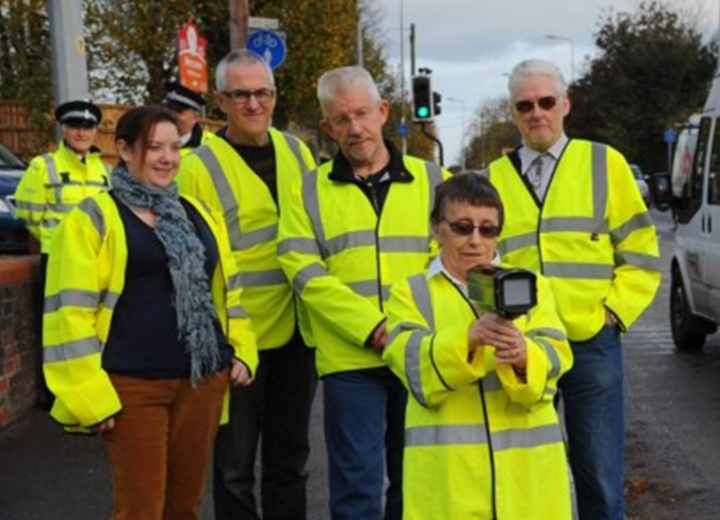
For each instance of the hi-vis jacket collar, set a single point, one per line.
(342, 171)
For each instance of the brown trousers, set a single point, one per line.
(160, 445)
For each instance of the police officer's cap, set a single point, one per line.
(78, 113)
(179, 98)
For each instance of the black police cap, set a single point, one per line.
(78, 113)
(178, 97)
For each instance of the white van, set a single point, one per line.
(695, 271)
(684, 153)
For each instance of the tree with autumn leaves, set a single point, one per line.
(133, 50)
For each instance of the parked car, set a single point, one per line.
(13, 235)
(642, 183)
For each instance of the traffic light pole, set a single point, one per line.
(423, 128)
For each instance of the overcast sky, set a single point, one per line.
(471, 44)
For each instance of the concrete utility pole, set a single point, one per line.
(403, 141)
(359, 44)
(239, 13)
(69, 66)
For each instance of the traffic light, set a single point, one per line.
(423, 101)
(437, 97)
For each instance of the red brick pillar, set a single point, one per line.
(19, 286)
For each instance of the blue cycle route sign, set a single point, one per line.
(670, 136)
(270, 45)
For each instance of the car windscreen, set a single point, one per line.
(10, 160)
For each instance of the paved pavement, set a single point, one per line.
(673, 414)
(47, 475)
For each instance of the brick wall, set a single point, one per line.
(18, 336)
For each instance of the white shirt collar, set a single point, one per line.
(528, 155)
(185, 139)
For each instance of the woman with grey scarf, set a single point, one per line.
(144, 328)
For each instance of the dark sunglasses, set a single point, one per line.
(546, 103)
(465, 229)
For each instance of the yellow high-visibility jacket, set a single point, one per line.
(85, 278)
(206, 136)
(218, 175)
(53, 185)
(480, 443)
(592, 238)
(342, 258)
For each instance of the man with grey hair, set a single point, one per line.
(354, 227)
(575, 214)
(246, 173)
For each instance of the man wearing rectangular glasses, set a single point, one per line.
(575, 214)
(246, 174)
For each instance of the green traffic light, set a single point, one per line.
(423, 111)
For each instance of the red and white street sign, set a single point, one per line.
(193, 67)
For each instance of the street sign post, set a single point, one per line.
(270, 45)
(402, 130)
(670, 137)
(257, 22)
(191, 51)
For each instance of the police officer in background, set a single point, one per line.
(56, 182)
(245, 172)
(575, 214)
(187, 106)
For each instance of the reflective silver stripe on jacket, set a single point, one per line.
(526, 438)
(294, 145)
(29, 206)
(306, 274)
(577, 270)
(511, 244)
(412, 364)
(227, 198)
(91, 207)
(312, 208)
(641, 260)
(445, 435)
(261, 278)
(421, 295)
(80, 298)
(403, 327)
(369, 288)
(257, 237)
(53, 179)
(474, 434)
(547, 331)
(639, 221)
(308, 246)
(435, 177)
(237, 311)
(72, 350)
(554, 365)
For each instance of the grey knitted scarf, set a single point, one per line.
(186, 261)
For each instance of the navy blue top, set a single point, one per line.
(143, 339)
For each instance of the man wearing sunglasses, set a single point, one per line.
(245, 173)
(354, 227)
(574, 213)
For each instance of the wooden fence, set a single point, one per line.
(17, 133)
